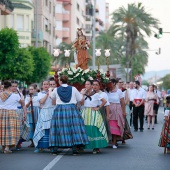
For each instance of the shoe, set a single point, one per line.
(98, 150)
(38, 150)
(135, 130)
(3, 148)
(18, 147)
(75, 153)
(6, 151)
(53, 151)
(141, 130)
(94, 151)
(153, 128)
(116, 144)
(123, 142)
(114, 147)
(148, 128)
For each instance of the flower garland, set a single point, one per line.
(81, 76)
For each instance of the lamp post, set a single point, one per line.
(98, 54)
(107, 55)
(56, 54)
(67, 55)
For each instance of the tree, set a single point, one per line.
(42, 64)
(166, 80)
(15, 63)
(133, 22)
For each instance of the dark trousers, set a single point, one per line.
(138, 112)
(130, 107)
(156, 107)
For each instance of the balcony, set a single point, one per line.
(6, 7)
(66, 32)
(66, 17)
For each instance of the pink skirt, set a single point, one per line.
(114, 128)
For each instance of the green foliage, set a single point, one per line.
(166, 82)
(16, 63)
(42, 64)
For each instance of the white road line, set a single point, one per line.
(56, 159)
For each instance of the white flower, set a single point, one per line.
(82, 79)
(77, 75)
(101, 70)
(70, 78)
(73, 69)
(86, 71)
(64, 69)
(59, 72)
(79, 69)
(90, 78)
(70, 72)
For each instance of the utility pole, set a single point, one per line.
(94, 33)
(36, 23)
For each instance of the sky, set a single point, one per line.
(159, 9)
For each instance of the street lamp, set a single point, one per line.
(98, 54)
(107, 55)
(67, 55)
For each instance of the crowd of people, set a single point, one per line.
(62, 117)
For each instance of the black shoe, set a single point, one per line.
(141, 130)
(75, 153)
(148, 128)
(136, 130)
(153, 128)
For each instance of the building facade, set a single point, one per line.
(44, 24)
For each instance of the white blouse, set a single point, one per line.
(167, 112)
(104, 96)
(48, 102)
(114, 97)
(94, 102)
(35, 100)
(75, 97)
(11, 103)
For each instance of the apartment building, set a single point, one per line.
(44, 24)
(5, 9)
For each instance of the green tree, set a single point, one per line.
(166, 80)
(42, 64)
(133, 22)
(15, 63)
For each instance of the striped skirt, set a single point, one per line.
(67, 127)
(43, 123)
(9, 127)
(95, 129)
(165, 136)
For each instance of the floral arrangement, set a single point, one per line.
(81, 76)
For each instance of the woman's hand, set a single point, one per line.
(95, 108)
(124, 115)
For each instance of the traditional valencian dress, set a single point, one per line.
(67, 126)
(42, 131)
(9, 120)
(165, 134)
(116, 120)
(36, 110)
(95, 127)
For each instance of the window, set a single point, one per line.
(27, 23)
(50, 28)
(78, 22)
(11, 21)
(20, 22)
(46, 24)
(46, 2)
(78, 7)
(50, 7)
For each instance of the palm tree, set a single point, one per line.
(133, 22)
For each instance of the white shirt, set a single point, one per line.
(130, 92)
(48, 102)
(166, 113)
(114, 97)
(104, 96)
(139, 93)
(75, 97)
(35, 100)
(11, 103)
(94, 102)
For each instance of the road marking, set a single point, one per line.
(56, 159)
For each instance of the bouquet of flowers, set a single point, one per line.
(81, 76)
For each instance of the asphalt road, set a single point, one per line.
(140, 153)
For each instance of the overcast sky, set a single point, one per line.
(159, 9)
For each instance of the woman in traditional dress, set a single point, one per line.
(117, 111)
(81, 45)
(151, 97)
(95, 127)
(42, 131)
(164, 140)
(9, 120)
(20, 108)
(32, 118)
(67, 126)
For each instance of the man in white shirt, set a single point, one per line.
(156, 105)
(139, 95)
(130, 91)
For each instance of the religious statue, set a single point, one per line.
(81, 45)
